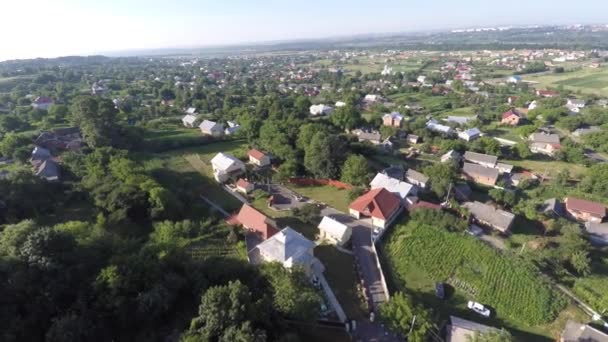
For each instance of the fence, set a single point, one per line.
(320, 182)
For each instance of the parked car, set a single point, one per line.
(479, 308)
(440, 290)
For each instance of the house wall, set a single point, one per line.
(376, 222)
(480, 179)
(261, 162)
(584, 216)
(354, 213)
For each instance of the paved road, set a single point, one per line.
(365, 257)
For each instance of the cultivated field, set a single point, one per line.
(420, 255)
(587, 80)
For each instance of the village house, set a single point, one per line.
(372, 137)
(244, 186)
(288, 248)
(211, 128)
(598, 232)
(379, 204)
(60, 139)
(256, 223)
(394, 171)
(434, 126)
(258, 158)
(576, 103)
(416, 178)
(320, 109)
(226, 166)
(480, 174)
(546, 93)
(42, 103)
(372, 98)
(49, 170)
(191, 110)
(394, 119)
(461, 120)
(334, 231)
(412, 139)
(232, 128)
(395, 186)
(584, 210)
(544, 143)
(579, 132)
(470, 134)
(189, 120)
(490, 216)
(504, 168)
(481, 159)
(578, 332)
(511, 117)
(451, 155)
(462, 330)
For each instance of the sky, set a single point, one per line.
(51, 28)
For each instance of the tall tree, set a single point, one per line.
(355, 170)
(97, 119)
(402, 316)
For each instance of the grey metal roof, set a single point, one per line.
(474, 169)
(497, 218)
(417, 176)
(475, 157)
(544, 138)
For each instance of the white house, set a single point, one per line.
(372, 98)
(533, 105)
(340, 104)
(321, 109)
(226, 166)
(439, 128)
(244, 186)
(211, 128)
(42, 103)
(399, 188)
(470, 134)
(575, 103)
(421, 79)
(258, 158)
(189, 120)
(289, 248)
(334, 231)
(416, 178)
(232, 128)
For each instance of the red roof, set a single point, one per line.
(256, 221)
(424, 204)
(256, 154)
(585, 206)
(378, 203)
(546, 93)
(43, 99)
(508, 113)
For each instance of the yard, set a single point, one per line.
(333, 197)
(587, 80)
(189, 170)
(548, 167)
(419, 256)
(340, 273)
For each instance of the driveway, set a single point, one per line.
(365, 257)
(284, 199)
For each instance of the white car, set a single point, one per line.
(479, 308)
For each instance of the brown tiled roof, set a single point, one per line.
(256, 221)
(585, 206)
(256, 154)
(380, 203)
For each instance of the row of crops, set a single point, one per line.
(510, 285)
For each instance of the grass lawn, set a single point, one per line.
(341, 275)
(310, 231)
(188, 170)
(587, 80)
(334, 197)
(549, 167)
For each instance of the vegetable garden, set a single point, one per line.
(509, 285)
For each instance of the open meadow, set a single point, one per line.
(585, 80)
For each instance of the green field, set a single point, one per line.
(417, 256)
(587, 80)
(334, 197)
